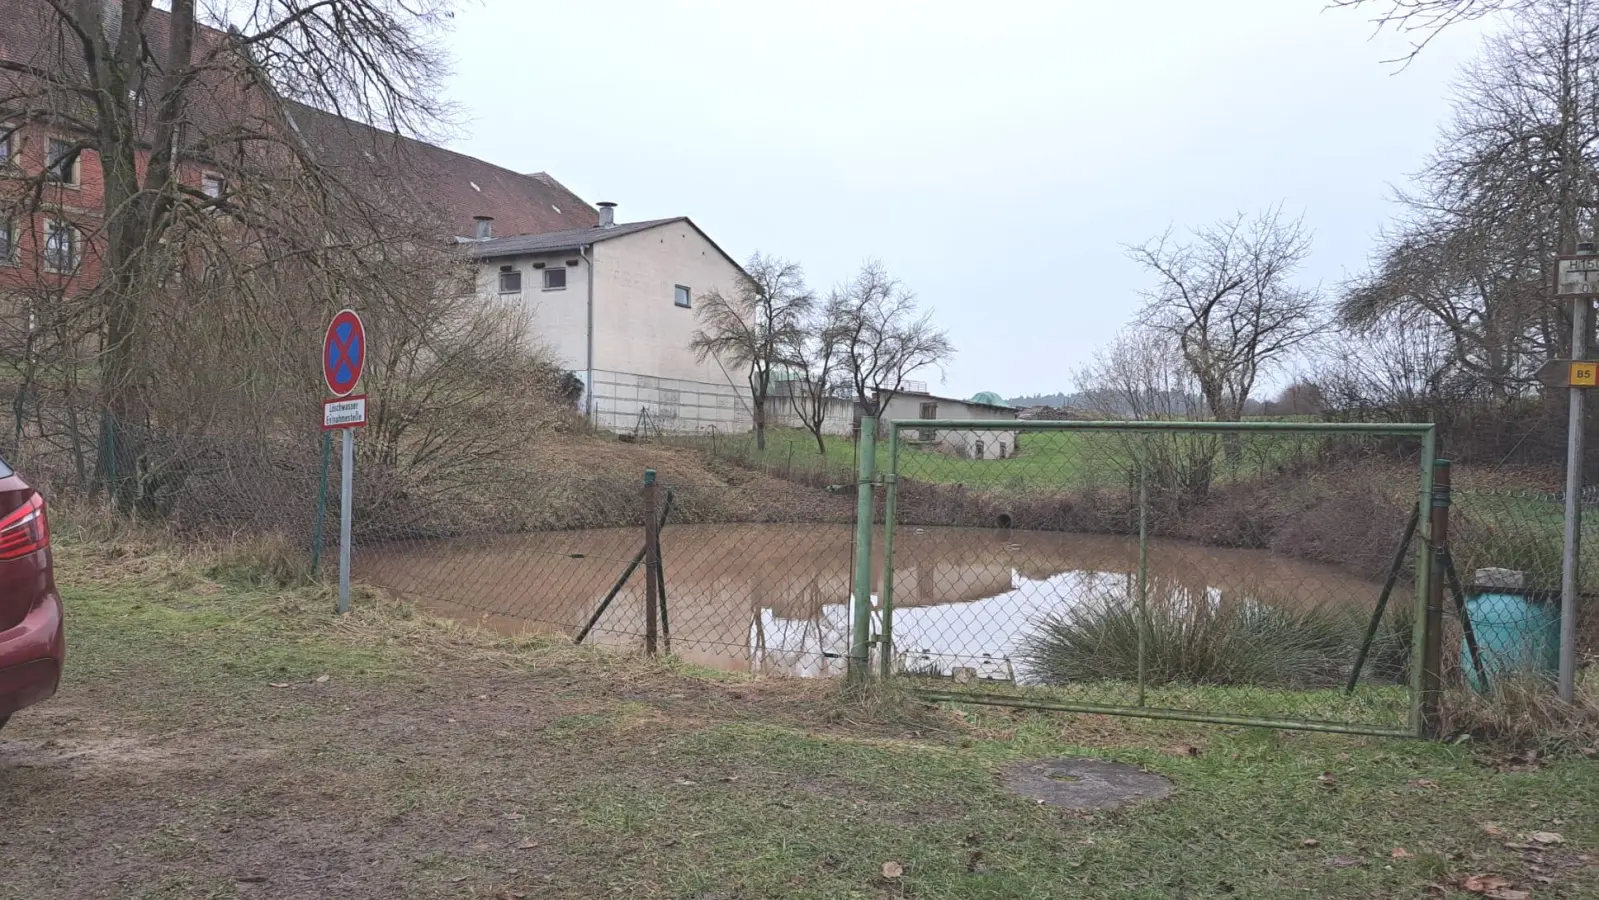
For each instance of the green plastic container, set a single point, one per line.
(1517, 631)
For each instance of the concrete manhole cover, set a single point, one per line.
(1084, 783)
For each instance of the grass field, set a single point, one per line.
(1055, 460)
(217, 738)
(1040, 461)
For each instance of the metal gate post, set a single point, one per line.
(1143, 573)
(1424, 561)
(861, 620)
(1432, 646)
(652, 563)
(885, 641)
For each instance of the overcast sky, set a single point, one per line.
(996, 156)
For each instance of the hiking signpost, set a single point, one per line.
(343, 359)
(1577, 281)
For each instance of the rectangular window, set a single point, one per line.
(213, 185)
(555, 279)
(510, 280)
(681, 296)
(8, 138)
(62, 247)
(61, 162)
(8, 243)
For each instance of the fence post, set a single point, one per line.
(885, 643)
(861, 621)
(652, 562)
(1432, 642)
(1143, 573)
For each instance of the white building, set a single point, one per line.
(983, 443)
(615, 304)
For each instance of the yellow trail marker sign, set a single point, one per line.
(1576, 373)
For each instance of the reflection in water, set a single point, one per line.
(776, 598)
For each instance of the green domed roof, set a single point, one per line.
(989, 398)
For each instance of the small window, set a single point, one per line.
(62, 247)
(555, 279)
(213, 185)
(979, 453)
(1001, 449)
(7, 140)
(510, 280)
(61, 163)
(929, 411)
(8, 243)
(681, 296)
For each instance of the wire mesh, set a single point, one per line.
(1201, 572)
(770, 598)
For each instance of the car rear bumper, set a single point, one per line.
(31, 654)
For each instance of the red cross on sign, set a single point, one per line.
(344, 353)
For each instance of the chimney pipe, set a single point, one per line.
(607, 213)
(485, 227)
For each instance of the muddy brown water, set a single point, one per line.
(776, 598)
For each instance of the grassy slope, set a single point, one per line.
(432, 763)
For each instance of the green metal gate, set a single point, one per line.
(1214, 572)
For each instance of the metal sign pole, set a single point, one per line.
(1572, 550)
(346, 496)
(1577, 281)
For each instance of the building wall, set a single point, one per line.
(625, 401)
(837, 419)
(81, 204)
(984, 443)
(643, 330)
(644, 372)
(558, 318)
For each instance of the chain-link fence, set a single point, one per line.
(1207, 571)
(761, 597)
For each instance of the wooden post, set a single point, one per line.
(652, 562)
(1433, 639)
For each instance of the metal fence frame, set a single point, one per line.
(1424, 687)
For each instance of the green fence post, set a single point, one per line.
(321, 504)
(1143, 569)
(861, 621)
(1424, 552)
(885, 642)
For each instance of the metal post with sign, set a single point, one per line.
(1578, 282)
(343, 358)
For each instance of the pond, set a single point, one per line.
(776, 598)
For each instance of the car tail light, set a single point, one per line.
(26, 530)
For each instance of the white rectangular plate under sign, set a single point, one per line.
(1579, 275)
(346, 412)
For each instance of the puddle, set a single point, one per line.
(777, 598)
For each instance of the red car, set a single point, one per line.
(32, 644)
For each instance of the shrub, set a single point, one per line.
(1196, 642)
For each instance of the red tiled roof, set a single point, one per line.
(457, 187)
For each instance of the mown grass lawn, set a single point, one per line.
(219, 739)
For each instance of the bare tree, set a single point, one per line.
(1226, 296)
(1423, 20)
(883, 336)
(1140, 375)
(1512, 184)
(154, 95)
(756, 328)
(818, 360)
